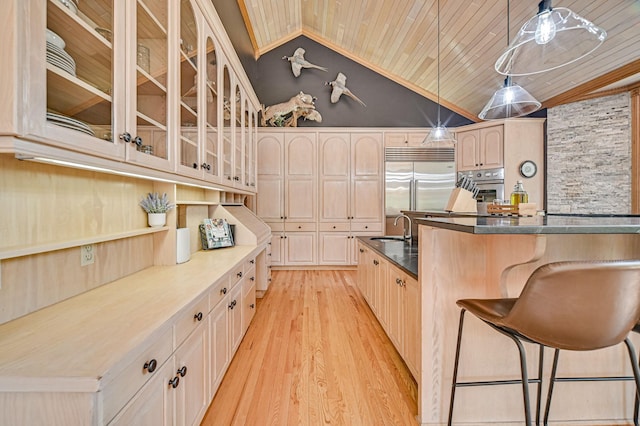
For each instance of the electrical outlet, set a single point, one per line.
(87, 254)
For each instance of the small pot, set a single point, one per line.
(157, 219)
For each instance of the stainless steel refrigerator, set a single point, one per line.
(418, 179)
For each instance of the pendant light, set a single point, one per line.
(551, 39)
(511, 100)
(439, 134)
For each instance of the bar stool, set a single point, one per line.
(578, 305)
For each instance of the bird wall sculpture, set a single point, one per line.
(339, 88)
(298, 62)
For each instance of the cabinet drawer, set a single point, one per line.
(337, 227)
(276, 226)
(366, 227)
(299, 226)
(190, 319)
(218, 292)
(128, 381)
(236, 275)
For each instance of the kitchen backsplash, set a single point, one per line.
(589, 156)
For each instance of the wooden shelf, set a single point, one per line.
(197, 203)
(18, 251)
(69, 95)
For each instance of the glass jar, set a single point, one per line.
(519, 195)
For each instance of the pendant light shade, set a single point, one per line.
(551, 39)
(508, 102)
(439, 135)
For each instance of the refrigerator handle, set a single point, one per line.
(412, 196)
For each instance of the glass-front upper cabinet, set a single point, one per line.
(79, 69)
(227, 120)
(239, 140)
(189, 156)
(247, 143)
(145, 131)
(211, 152)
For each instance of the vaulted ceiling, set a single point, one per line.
(398, 39)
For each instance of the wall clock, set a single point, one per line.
(528, 169)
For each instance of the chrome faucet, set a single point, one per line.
(406, 235)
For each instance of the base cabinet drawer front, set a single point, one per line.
(144, 367)
(334, 227)
(192, 318)
(154, 404)
(366, 226)
(299, 226)
(219, 292)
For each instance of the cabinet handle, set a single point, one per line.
(252, 261)
(281, 217)
(126, 137)
(252, 279)
(182, 371)
(285, 218)
(239, 275)
(375, 262)
(361, 251)
(223, 291)
(198, 316)
(174, 382)
(236, 178)
(228, 177)
(299, 226)
(366, 227)
(233, 304)
(397, 280)
(252, 306)
(334, 227)
(195, 165)
(150, 366)
(138, 141)
(285, 236)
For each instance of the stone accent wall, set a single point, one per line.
(589, 156)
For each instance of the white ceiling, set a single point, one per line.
(397, 38)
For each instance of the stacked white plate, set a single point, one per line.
(69, 123)
(72, 5)
(61, 59)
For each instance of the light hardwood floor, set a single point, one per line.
(315, 355)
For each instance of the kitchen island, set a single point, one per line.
(492, 257)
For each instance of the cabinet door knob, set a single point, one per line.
(252, 261)
(334, 227)
(252, 306)
(182, 371)
(299, 226)
(252, 279)
(366, 227)
(150, 366)
(174, 382)
(223, 291)
(239, 275)
(198, 316)
(126, 137)
(375, 262)
(137, 140)
(361, 251)
(195, 165)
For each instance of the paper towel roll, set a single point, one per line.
(183, 251)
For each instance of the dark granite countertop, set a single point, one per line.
(401, 254)
(553, 224)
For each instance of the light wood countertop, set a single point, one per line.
(81, 340)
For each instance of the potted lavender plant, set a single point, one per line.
(156, 207)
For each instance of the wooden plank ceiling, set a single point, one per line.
(398, 39)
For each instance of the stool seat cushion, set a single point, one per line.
(490, 310)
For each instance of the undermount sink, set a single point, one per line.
(388, 239)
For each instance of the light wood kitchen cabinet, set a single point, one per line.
(351, 187)
(191, 362)
(404, 315)
(235, 317)
(134, 88)
(287, 197)
(404, 139)
(218, 344)
(394, 297)
(481, 148)
(154, 404)
(505, 143)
